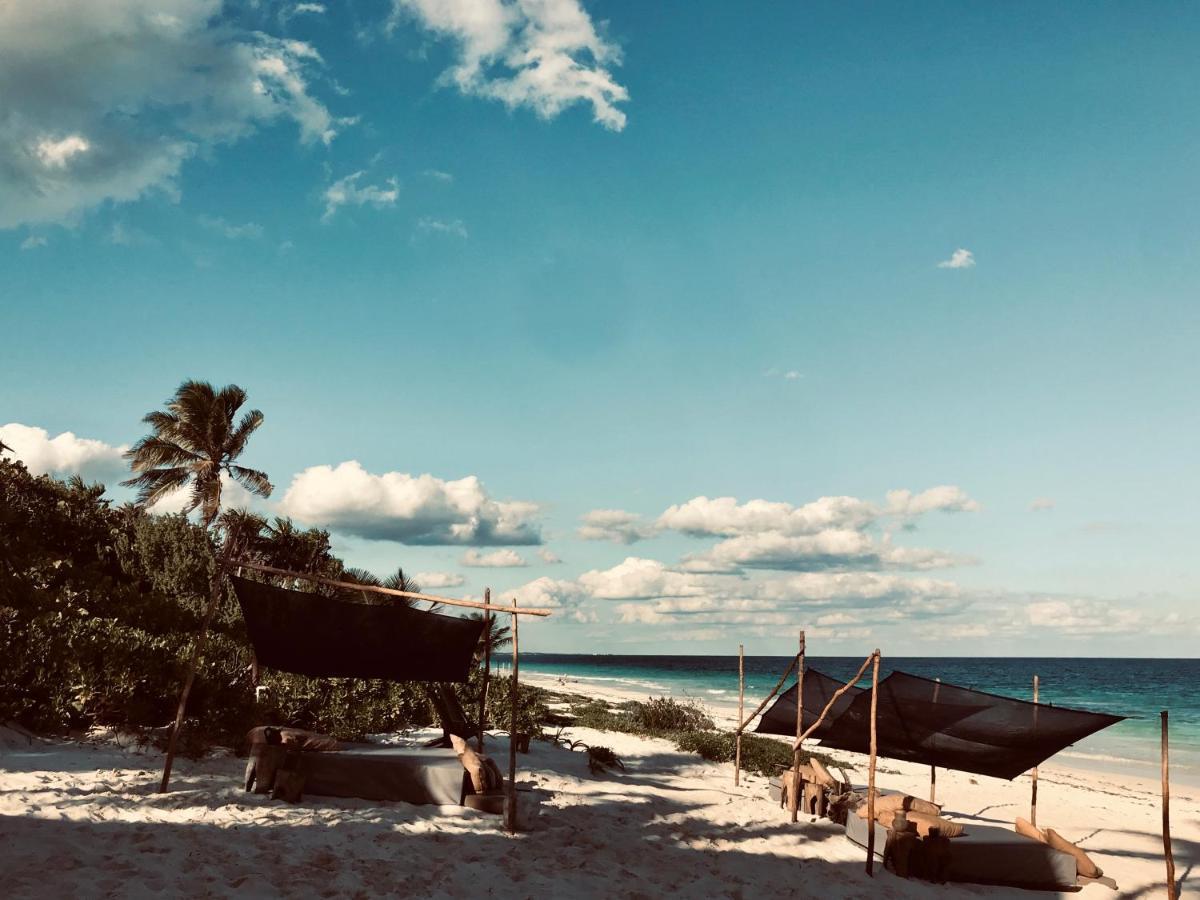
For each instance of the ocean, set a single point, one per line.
(1138, 688)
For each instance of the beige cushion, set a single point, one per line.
(925, 822)
(820, 774)
(887, 804)
(295, 737)
(1027, 828)
(475, 767)
(458, 743)
(1083, 863)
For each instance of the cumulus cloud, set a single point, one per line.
(64, 454)
(1040, 504)
(451, 227)
(104, 102)
(548, 556)
(546, 55)
(614, 525)
(830, 550)
(944, 498)
(411, 509)
(347, 192)
(959, 259)
(497, 559)
(725, 517)
(431, 580)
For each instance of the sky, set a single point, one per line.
(697, 326)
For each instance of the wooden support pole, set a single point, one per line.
(794, 793)
(1033, 795)
(775, 690)
(510, 810)
(737, 753)
(871, 766)
(1172, 891)
(391, 592)
(214, 600)
(937, 686)
(487, 663)
(832, 700)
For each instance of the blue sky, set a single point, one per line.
(620, 256)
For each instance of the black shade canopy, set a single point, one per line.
(309, 634)
(939, 724)
(780, 717)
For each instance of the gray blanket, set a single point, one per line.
(411, 774)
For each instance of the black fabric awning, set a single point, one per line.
(925, 721)
(309, 634)
(780, 717)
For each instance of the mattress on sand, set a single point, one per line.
(988, 854)
(411, 774)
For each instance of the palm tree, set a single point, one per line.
(498, 635)
(194, 442)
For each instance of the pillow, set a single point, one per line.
(925, 822)
(820, 774)
(295, 737)
(475, 767)
(1027, 828)
(890, 803)
(1083, 863)
(495, 777)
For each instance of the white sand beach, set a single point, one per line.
(83, 819)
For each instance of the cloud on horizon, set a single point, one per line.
(64, 454)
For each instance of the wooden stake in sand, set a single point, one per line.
(510, 809)
(775, 690)
(937, 685)
(1172, 893)
(794, 793)
(871, 766)
(737, 753)
(487, 662)
(1033, 797)
(214, 600)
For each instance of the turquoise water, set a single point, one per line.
(1138, 688)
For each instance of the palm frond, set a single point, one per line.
(252, 480)
(237, 441)
(156, 484)
(154, 452)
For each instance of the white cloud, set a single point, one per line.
(835, 549)
(64, 454)
(438, 175)
(33, 242)
(247, 230)
(959, 259)
(311, 8)
(543, 54)
(411, 509)
(497, 559)
(943, 498)
(453, 227)
(614, 525)
(1038, 504)
(725, 517)
(548, 556)
(431, 580)
(104, 102)
(346, 192)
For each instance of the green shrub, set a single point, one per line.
(664, 715)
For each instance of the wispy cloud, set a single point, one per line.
(245, 231)
(615, 525)
(429, 580)
(959, 259)
(1038, 504)
(451, 228)
(546, 55)
(548, 556)
(348, 192)
(33, 242)
(438, 175)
